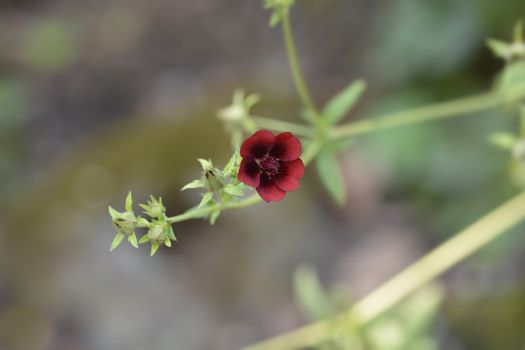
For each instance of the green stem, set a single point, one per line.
(447, 255)
(436, 111)
(441, 110)
(300, 85)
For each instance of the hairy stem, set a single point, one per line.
(447, 255)
(300, 84)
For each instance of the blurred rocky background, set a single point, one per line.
(100, 97)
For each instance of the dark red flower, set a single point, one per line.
(271, 164)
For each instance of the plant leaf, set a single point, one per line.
(113, 213)
(341, 103)
(214, 216)
(310, 295)
(205, 199)
(193, 184)
(144, 239)
(116, 241)
(167, 242)
(331, 176)
(154, 247)
(132, 239)
(233, 190)
(171, 234)
(129, 202)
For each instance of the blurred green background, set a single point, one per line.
(100, 97)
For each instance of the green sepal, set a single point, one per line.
(343, 102)
(205, 199)
(193, 184)
(113, 213)
(229, 169)
(167, 242)
(233, 190)
(116, 241)
(132, 239)
(206, 164)
(171, 234)
(144, 239)
(141, 222)
(214, 216)
(154, 247)
(331, 176)
(129, 202)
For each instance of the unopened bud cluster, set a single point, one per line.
(159, 231)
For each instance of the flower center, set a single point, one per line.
(269, 165)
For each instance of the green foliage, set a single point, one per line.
(125, 223)
(279, 8)
(331, 176)
(343, 102)
(310, 295)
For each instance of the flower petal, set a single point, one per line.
(293, 168)
(285, 182)
(286, 147)
(258, 144)
(269, 191)
(249, 172)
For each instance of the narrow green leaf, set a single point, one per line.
(154, 247)
(116, 241)
(341, 103)
(205, 199)
(231, 165)
(113, 213)
(331, 176)
(214, 216)
(167, 242)
(233, 190)
(129, 202)
(193, 184)
(310, 295)
(171, 234)
(132, 239)
(499, 48)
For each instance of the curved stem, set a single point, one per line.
(447, 255)
(300, 85)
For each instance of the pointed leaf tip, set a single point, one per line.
(129, 202)
(154, 248)
(116, 241)
(342, 103)
(331, 176)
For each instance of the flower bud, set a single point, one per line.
(158, 232)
